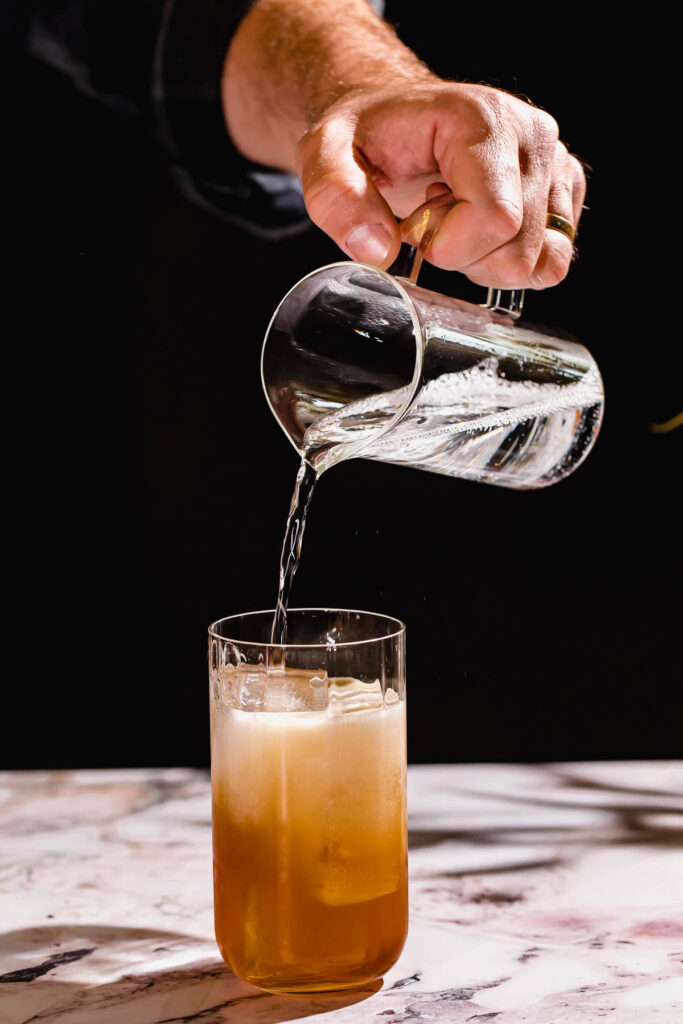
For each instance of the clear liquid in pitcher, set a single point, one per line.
(483, 423)
(357, 363)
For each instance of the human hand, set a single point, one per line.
(326, 89)
(380, 153)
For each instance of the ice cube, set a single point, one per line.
(276, 697)
(342, 876)
(390, 697)
(346, 695)
(318, 687)
(296, 690)
(253, 689)
(224, 684)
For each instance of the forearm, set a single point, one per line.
(291, 60)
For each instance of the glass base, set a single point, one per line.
(309, 988)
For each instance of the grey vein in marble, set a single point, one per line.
(539, 895)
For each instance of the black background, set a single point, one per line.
(153, 482)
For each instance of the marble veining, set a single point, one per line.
(548, 894)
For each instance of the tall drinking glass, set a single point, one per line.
(308, 770)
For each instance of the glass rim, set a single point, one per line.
(355, 449)
(320, 646)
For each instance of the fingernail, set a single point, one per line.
(369, 243)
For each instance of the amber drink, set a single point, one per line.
(309, 814)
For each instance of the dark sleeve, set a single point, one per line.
(162, 60)
(193, 41)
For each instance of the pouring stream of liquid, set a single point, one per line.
(418, 230)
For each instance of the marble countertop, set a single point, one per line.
(545, 894)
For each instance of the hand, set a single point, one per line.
(381, 153)
(326, 89)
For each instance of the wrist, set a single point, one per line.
(291, 61)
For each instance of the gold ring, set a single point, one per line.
(557, 223)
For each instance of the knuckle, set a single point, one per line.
(505, 218)
(514, 266)
(493, 106)
(578, 175)
(524, 264)
(553, 269)
(317, 146)
(324, 191)
(546, 128)
(560, 196)
(482, 112)
(576, 168)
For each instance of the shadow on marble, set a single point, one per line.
(570, 777)
(419, 839)
(631, 820)
(72, 974)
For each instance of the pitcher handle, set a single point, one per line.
(509, 303)
(418, 231)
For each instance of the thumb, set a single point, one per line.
(342, 200)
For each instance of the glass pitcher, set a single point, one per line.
(357, 362)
